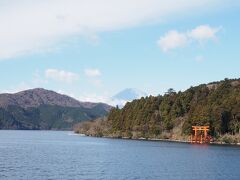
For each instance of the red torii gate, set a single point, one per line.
(200, 134)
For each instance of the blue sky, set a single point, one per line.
(94, 53)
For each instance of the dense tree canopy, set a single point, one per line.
(216, 104)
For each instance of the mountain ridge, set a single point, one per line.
(45, 109)
(41, 96)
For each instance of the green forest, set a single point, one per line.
(46, 117)
(171, 116)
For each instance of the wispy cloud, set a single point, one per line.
(92, 72)
(94, 76)
(16, 88)
(174, 39)
(61, 75)
(37, 81)
(101, 98)
(37, 26)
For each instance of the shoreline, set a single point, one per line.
(166, 140)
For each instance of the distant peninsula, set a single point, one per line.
(171, 116)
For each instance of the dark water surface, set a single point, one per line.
(61, 155)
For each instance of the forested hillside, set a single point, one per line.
(216, 104)
(44, 109)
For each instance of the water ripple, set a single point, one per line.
(57, 155)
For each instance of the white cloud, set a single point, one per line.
(29, 26)
(92, 72)
(172, 40)
(60, 75)
(93, 98)
(204, 32)
(103, 99)
(17, 88)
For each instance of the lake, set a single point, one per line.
(63, 155)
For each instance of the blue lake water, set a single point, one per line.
(62, 155)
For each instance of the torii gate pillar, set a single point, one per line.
(198, 136)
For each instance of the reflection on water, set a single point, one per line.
(62, 155)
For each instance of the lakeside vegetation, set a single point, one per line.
(172, 115)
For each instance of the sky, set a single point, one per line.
(93, 49)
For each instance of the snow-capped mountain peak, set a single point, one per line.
(127, 95)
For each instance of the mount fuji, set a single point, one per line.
(127, 95)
